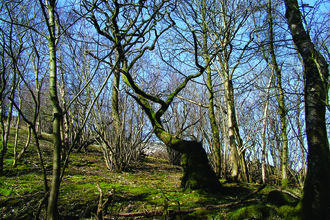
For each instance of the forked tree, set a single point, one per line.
(134, 28)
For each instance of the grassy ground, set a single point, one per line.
(150, 185)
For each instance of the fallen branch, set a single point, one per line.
(42, 201)
(210, 207)
(102, 207)
(290, 194)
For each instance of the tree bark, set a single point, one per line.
(116, 136)
(263, 134)
(315, 201)
(214, 127)
(234, 157)
(280, 99)
(57, 111)
(27, 143)
(3, 134)
(197, 173)
(301, 140)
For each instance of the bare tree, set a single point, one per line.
(230, 23)
(268, 52)
(126, 36)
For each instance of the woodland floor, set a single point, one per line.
(150, 185)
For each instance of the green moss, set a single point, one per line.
(8, 161)
(258, 212)
(199, 214)
(288, 212)
(5, 189)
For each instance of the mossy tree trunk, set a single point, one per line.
(315, 201)
(197, 172)
(280, 97)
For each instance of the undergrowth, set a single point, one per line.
(149, 185)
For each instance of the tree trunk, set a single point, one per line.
(244, 169)
(315, 201)
(18, 158)
(16, 139)
(197, 172)
(116, 135)
(6, 129)
(263, 134)
(301, 141)
(214, 126)
(57, 114)
(284, 138)
(2, 106)
(64, 120)
(3, 134)
(17, 124)
(234, 157)
(280, 98)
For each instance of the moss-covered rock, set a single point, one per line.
(280, 198)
